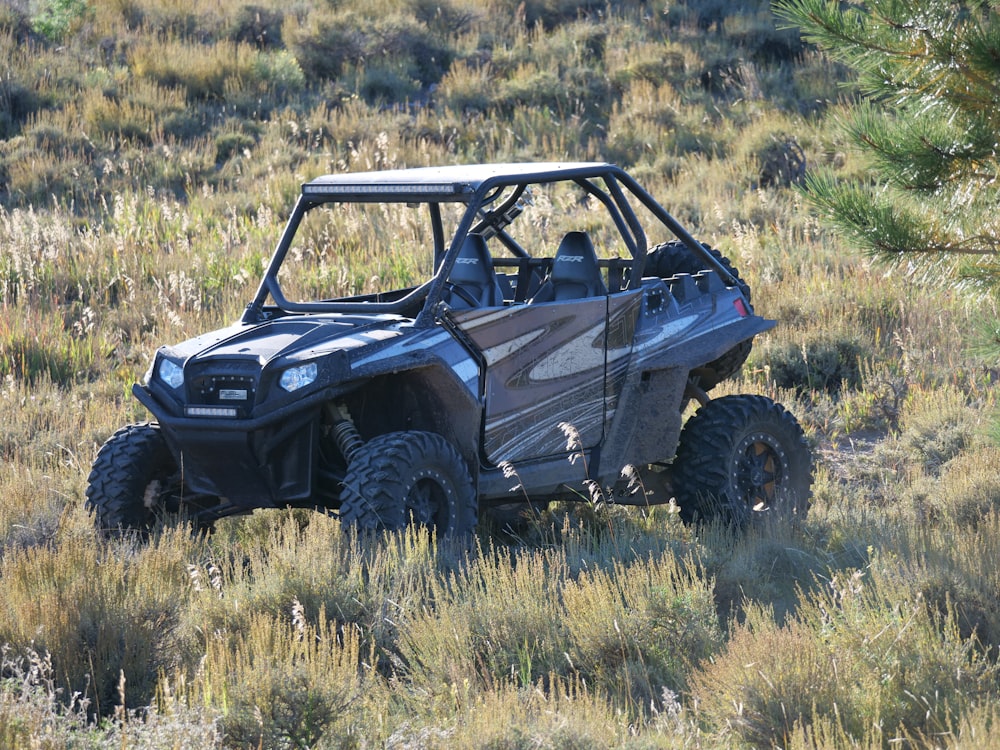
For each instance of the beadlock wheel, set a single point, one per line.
(740, 458)
(406, 478)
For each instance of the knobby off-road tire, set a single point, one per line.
(672, 258)
(134, 481)
(741, 458)
(409, 477)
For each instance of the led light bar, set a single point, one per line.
(210, 411)
(447, 188)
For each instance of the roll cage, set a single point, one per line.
(478, 187)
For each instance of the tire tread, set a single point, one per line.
(702, 464)
(374, 487)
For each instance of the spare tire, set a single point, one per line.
(672, 258)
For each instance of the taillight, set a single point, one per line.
(741, 308)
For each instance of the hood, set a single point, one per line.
(238, 368)
(289, 338)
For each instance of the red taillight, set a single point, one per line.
(740, 308)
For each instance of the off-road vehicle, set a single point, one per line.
(545, 327)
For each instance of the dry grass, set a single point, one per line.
(149, 152)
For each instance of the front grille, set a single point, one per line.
(224, 389)
(225, 386)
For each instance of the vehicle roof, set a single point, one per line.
(452, 180)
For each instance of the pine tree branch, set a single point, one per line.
(882, 226)
(932, 71)
(847, 35)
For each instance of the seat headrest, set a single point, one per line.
(473, 264)
(576, 262)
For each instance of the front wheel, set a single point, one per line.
(134, 482)
(409, 477)
(739, 458)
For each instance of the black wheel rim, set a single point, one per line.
(758, 473)
(427, 499)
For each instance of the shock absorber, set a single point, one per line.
(345, 434)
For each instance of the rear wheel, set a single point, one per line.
(409, 477)
(740, 458)
(134, 482)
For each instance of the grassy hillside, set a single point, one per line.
(149, 152)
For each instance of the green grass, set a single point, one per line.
(149, 153)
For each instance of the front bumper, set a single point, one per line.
(258, 462)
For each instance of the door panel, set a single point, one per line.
(623, 312)
(545, 366)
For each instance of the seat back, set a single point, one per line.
(575, 273)
(472, 282)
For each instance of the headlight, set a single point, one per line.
(171, 373)
(298, 377)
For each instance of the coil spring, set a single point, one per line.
(347, 437)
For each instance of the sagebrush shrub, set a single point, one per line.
(494, 620)
(635, 631)
(936, 427)
(202, 70)
(859, 652)
(630, 631)
(282, 682)
(823, 364)
(99, 611)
